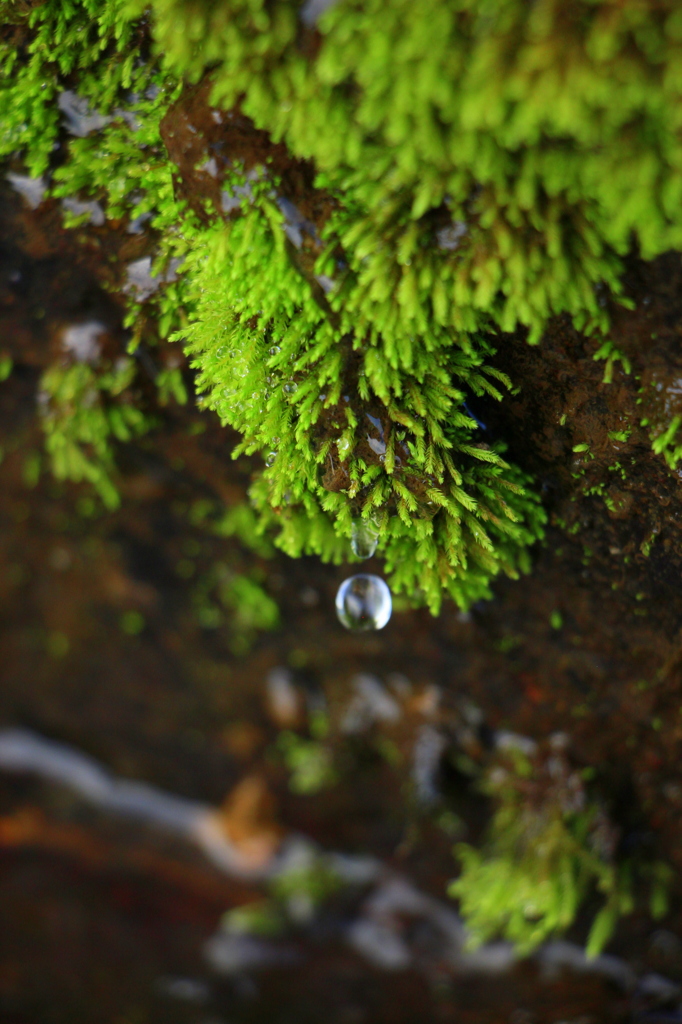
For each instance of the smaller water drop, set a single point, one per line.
(270, 459)
(364, 538)
(291, 388)
(274, 350)
(363, 603)
(343, 446)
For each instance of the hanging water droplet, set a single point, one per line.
(363, 602)
(270, 459)
(274, 350)
(221, 351)
(343, 446)
(364, 538)
(291, 388)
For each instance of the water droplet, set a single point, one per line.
(364, 538)
(274, 350)
(363, 602)
(270, 380)
(220, 351)
(343, 446)
(270, 459)
(291, 388)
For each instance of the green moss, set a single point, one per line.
(548, 136)
(668, 442)
(481, 167)
(83, 414)
(549, 846)
(224, 597)
(309, 762)
(44, 46)
(276, 367)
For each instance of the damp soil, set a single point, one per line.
(97, 916)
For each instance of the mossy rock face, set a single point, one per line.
(355, 201)
(341, 231)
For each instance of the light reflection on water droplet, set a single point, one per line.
(270, 459)
(274, 350)
(291, 389)
(363, 603)
(364, 538)
(378, 447)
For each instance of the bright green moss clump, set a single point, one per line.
(476, 167)
(549, 846)
(547, 135)
(308, 390)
